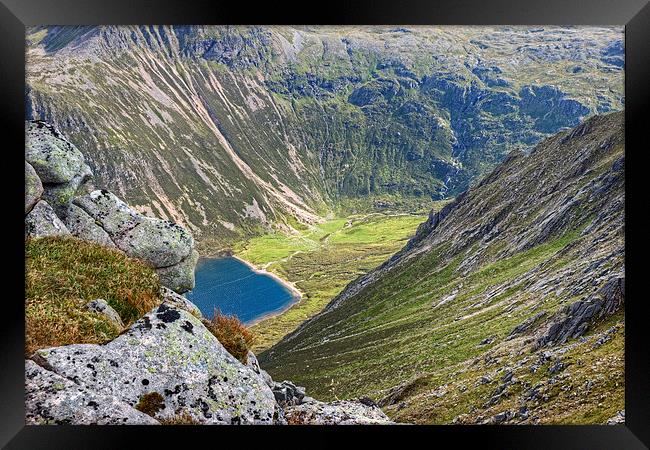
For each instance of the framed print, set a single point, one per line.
(406, 219)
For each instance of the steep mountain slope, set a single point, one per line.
(476, 318)
(230, 130)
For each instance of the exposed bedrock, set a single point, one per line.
(57, 202)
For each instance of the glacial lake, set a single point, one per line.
(235, 289)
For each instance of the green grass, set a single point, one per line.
(398, 336)
(322, 260)
(64, 274)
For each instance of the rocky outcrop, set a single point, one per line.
(60, 195)
(53, 399)
(336, 413)
(166, 246)
(85, 227)
(53, 157)
(55, 171)
(42, 221)
(60, 166)
(33, 187)
(179, 277)
(161, 243)
(169, 365)
(575, 319)
(169, 352)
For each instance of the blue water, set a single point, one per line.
(234, 288)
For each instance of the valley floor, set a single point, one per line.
(322, 260)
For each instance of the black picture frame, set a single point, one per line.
(15, 15)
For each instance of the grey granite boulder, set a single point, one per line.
(33, 187)
(180, 301)
(53, 157)
(53, 399)
(179, 277)
(99, 306)
(169, 352)
(81, 225)
(111, 213)
(42, 221)
(160, 242)
(345, 412)
(166, 246)
(59, 165)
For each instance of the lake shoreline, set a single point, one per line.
(295, 292)
(288, 284)
(297, 295)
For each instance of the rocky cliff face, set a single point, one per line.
(228, 130)
(506, 306)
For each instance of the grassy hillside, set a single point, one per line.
(449, 328)
(322, 260)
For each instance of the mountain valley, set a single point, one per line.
(445, 204)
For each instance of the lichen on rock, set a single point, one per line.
(166, 246)
(179, 277)
(179, 301)
(53, 157)
(169, 351)
(345, 412)
(43, 221)
(53, 399)
(81, 225)
(33, 187)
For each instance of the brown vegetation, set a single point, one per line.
(64, 274)
(232, 334)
